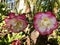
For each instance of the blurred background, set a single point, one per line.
(28, 7)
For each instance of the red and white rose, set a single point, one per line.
(16, 23)
(45, 23)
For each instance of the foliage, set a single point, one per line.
(7, 37)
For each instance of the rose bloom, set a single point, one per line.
(16, 42)
(16, 23)
(45, 23)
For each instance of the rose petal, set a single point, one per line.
(11, 15)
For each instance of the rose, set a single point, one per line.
(16, 42)
(45, 23)
(16, 23)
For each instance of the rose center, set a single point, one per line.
(16, 24)
(45, 22)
